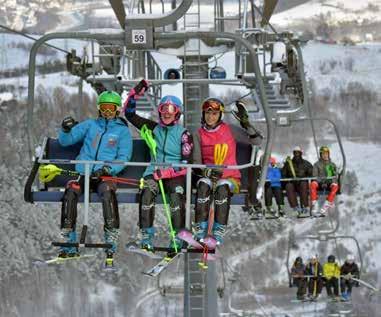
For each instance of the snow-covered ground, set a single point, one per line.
(338, 11)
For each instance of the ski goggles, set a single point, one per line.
(212, 106)
(108, 107)
(168, 108)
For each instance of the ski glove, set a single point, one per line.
(168, 173)
(241, 115)
(68, 123)
(134, 94)
(213, 173)
(104, 171)
(141, 87)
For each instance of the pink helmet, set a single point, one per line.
(272, 160)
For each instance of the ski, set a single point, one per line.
(162, 265)
(187, 236)
(134, 248)
(58, 260)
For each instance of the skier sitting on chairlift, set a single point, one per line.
(297, 167)
(331, 272)
(273, 187)
(298, 277)
(105, 138)
(349, 270)
(322, 169)
(215, 143)
(174, 145)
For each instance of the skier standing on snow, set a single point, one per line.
(174, 145)
(331, 272)
(348, 270)
(273, 187)
(215, 132)
(105, 138)
(297, 167)
(298, 277)
(322, 169)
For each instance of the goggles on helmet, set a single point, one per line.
(168, 108)
(212, 105)
(324, 149)
(107, 107)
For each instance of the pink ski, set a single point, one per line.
(187, 236)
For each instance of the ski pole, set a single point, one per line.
(147, 136)
(50, 171)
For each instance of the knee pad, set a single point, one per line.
(202, 200)
(177, 210)
(146, 208)
(222, 204)
(110, 210)
(69, 209)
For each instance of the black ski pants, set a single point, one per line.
(175, 192)
(294, 188)
(315, 286)
(332, 284)
(271, 192)
(106, 191)
(301, 284)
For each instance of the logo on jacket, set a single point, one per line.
(112, 140)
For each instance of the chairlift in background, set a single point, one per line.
(172, 73)
(217, 72)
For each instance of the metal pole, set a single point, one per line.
(87, 194)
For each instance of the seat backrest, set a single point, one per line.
(54, 150)
(243, 157)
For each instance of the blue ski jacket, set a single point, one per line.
(274, 175)
(103, 140)
(168, 140)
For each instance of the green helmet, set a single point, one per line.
(109, 97)
(323, 149)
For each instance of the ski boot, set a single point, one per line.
(219, 232)
(326, 207)
(200, 230)
(111, 237)
(270, 213)
(314, 209)
(109, 263)
(281, 211)
(146, 243)
(70, 237)
(179, 244)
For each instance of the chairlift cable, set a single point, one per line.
(32, 38)
(261, 14)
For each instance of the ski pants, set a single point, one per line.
(271, 192)
(332, 283)
(346, 286)
(333, 188)
(301, 284)
(174, 189)
(106, 191)
(294, 188)
(222, 194)
(315, 286)
(254, 173)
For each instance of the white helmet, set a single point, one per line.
(350, 258)
(314, 257)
